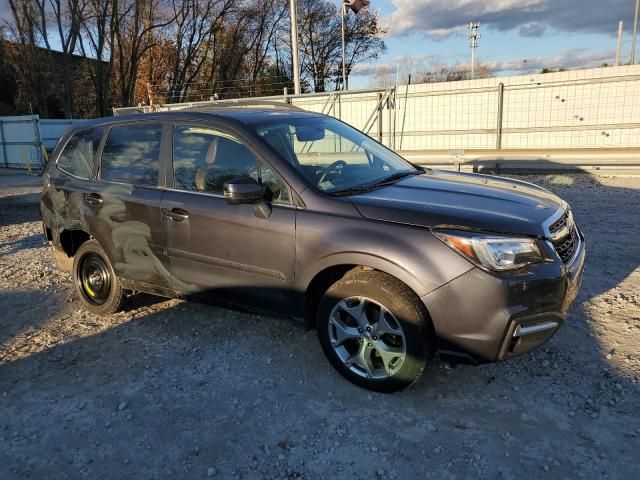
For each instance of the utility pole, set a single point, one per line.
(294, 47)
(635, 34)
(343, 7)
(619, 46)
(473, 37)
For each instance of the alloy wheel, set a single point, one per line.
(367, 337)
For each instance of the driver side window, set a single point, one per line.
(205, 159)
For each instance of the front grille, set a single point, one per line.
(566, 246)
(558, 225)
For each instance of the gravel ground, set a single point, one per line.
(170, 389)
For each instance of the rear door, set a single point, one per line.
(123, 208)
(219, 250)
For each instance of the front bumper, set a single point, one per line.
(488, 317)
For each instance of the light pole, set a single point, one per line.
(473, 37)
(343, 7)
(294, 47)
(619, 45)
(635, 34)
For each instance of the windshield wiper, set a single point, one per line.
(391, 179)
(394, 178)
(351, 191)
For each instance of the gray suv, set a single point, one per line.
(300, 214)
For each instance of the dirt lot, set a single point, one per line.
(175, 390)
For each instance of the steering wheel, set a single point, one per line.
(331, 167)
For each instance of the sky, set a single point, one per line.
(518, 36)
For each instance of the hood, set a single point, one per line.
(464, 200)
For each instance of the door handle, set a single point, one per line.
(93, 199)
(176, 214)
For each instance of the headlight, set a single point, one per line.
(492, 251)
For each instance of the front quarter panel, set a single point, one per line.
(411, 254)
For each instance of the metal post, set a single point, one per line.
(635, 35)
(404, 111)
(395, 118)
(390, 145)
(294, 47)
(619, 45)
(380, 107)
(500, 113)
(4, 144)
(286, 95)
(40, 146)
(344, 48)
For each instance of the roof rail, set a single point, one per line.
(246, 103)
(207, 105)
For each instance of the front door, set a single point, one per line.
(219, 250)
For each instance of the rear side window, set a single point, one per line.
(131, 154)
(79, 153)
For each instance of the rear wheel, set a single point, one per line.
(375, 331)
(95, 281)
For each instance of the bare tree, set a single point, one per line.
(321, 41)
(363, 41)
(134, 25)
(319, 37)
(34, 29)
(194, 27)
(176, 49)
(99, 21)
(226, 62)
(7, 77)
(68, 16)
(266, 16)
(32, 70)
(243, 65)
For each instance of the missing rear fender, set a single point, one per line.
(70, 240)
(65, 249)
(64, 262)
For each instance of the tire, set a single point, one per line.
(96, 284)
(375, 331)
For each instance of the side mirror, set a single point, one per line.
(243, 190)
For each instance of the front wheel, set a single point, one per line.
(375, 331)
(96, 283)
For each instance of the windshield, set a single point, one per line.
(334, 157)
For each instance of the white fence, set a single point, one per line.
(597, 108)
(24, 140)
(592, 112)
